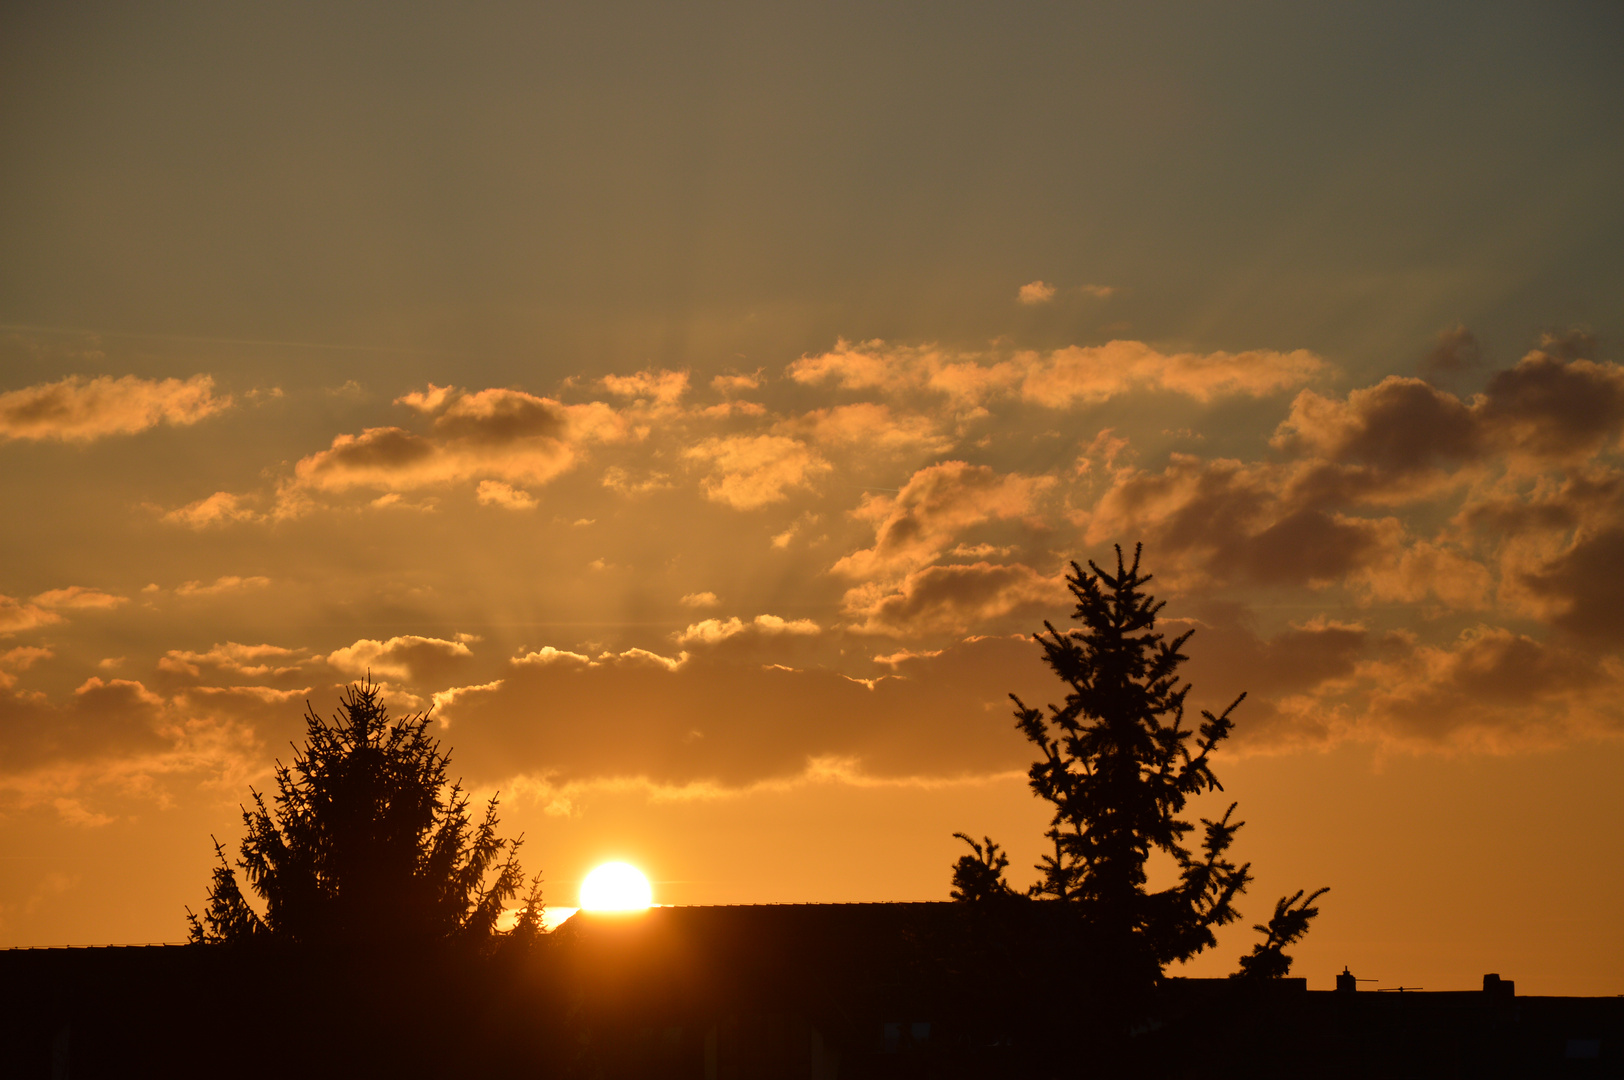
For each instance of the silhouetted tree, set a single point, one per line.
(1119, 765)
(981, 876)
(1268, 959)
(366, 842)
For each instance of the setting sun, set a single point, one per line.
(616, 886)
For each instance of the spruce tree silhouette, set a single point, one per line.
(1119, 766)
(366, 843)
(1268, 959)
(980, 877)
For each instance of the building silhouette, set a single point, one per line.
(810, 991)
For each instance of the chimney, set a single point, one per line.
(1347, 984)
(1498, 987)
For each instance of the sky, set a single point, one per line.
(698, 409)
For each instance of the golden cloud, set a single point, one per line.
(505, 435)
(751, 471)
(77, 409)
(405, 657)
(936, 505)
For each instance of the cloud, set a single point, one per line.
(18, 659)
(263, 695)
(897, 369)
(243, 661)
(17, 616)
(1581, 589)
(629, 658)
(618, 479)
(113, 741)
(932, 509)
(394, 500)
(980, 551)
(700, 600)
(712, 631)
(1076, 375)
(947, 716)
(1456, 351)
(751, 471)
(1554, 406)
(869, 426)
(80, 597)
(1493, 690)
(407, 657)
(1098, 292)
(1591, 498)
(736, 383)
(1409, 574)
(547, 654)
(806, 521)
(1218, 520)
(1036, 292)
(229, 584)
(1322, 682)
(221, 508)
(1091, 375)
(953, 599)
(102, 719)
(431, 400)
(1291, 678)
(663, 388)
(77, 409)
(444, 698)
(494, 434)
(1404, 439)
(496, 493)
(1399, 425)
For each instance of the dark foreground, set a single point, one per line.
(804, 991)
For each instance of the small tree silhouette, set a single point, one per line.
(981, 876)
(366, 842)
(1268, 959)
(1119, 766)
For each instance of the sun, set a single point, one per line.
(616, 886)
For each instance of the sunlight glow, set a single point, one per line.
(616, 886)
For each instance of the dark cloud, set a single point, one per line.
(501, 416)
(1585, 587)
(954, 598)
(1404, 440)
(1305, 546)
(382, 450)
(1553, 406)
(1578, 498)
(1394, 439)
(1229, 521)
(1228, 657)
(117, 718)
(717, 721)
(496, 434)
(1492, 689)
(1190, 506)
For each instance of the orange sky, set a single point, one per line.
(697, 413)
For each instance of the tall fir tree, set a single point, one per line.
(1119, 765)
(366, 842)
